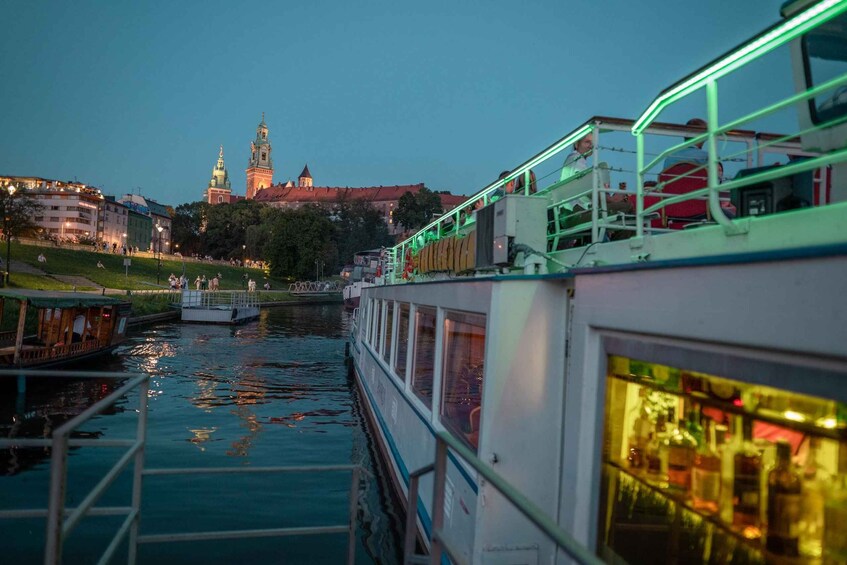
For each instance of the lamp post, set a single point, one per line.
(176, 246)
(159, 263)
(6, 219)
(244, 264)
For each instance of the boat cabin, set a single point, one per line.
(67, 326)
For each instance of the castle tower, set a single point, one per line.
(305, 178)
(219, 189)
(260, 167)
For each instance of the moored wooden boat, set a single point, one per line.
(71, 326)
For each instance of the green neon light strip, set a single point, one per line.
(554, 149)
(780, 35)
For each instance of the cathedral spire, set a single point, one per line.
(260, 166)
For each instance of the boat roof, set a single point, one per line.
(57, 299)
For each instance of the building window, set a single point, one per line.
(264, 156)
(220, 199)
(464, 356)
(424, 358)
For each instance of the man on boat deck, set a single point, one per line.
(576, 162)
(691, 154)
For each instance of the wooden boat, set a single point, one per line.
(71, 326)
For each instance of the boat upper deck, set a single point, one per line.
(659, 188)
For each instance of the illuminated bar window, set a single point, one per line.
(464, 355)
(402, 341)
(700, 468)
(389, 326)
(424, 358)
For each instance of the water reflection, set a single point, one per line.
(273, 392)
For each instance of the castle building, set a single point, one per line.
(383, 198)
(260, 167)
(219, 190)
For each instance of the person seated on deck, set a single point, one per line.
(578, 211)
(79, 328)
(691, 154)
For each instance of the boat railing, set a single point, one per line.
(439, 543)
(219, 299)
(713, 132)
(60, 351)
(63, 519)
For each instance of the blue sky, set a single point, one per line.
(129, 96)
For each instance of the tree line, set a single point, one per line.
(290, 241)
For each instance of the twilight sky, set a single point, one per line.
(139, 95)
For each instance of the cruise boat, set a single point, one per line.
(366, 271)
(69, 327)
(637, 353)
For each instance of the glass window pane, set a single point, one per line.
(378, 325)
(424, 359)
(389, 326)
(374, 323)
(464, 356)
(402, 341)
(826, 59)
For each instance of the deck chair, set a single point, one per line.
(677, 216)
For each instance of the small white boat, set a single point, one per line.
(219, 307)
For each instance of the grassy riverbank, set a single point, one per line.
(143, 271)
(69, 269)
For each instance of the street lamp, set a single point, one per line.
(6, 219)
(244, 264)
(176, 246)
(159, 264)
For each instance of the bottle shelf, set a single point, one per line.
(838, 433)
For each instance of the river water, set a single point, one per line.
(274, 392)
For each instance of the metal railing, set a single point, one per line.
(219, 298)
(61, 520)
(349, 528)
(314, 287)
(439, 544)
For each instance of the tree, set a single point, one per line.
(359, 226)
(227, 225)
(416, 210)
(19, 210)
(187, 227)
(301, 237)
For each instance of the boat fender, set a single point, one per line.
(234, 313)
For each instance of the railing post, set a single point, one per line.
(354, 506)
(712, 121)
(595, 186)
(639, 185)
(411, 520)
(56, 506)
(438, 500)
(137, 478)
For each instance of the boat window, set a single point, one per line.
(375, 324)
(703, 468)
(825, 57)
(402, 341)
(389, 327)
(380, 311)
(464, 353)
(424, 358)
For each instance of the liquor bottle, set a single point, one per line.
(746, 501)
(640, 435)
(681, 449)
(784, 487)
(815, 480)
(835, 513)
(706, 474)
(693, 425)
(727, 449)
(657, 456)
